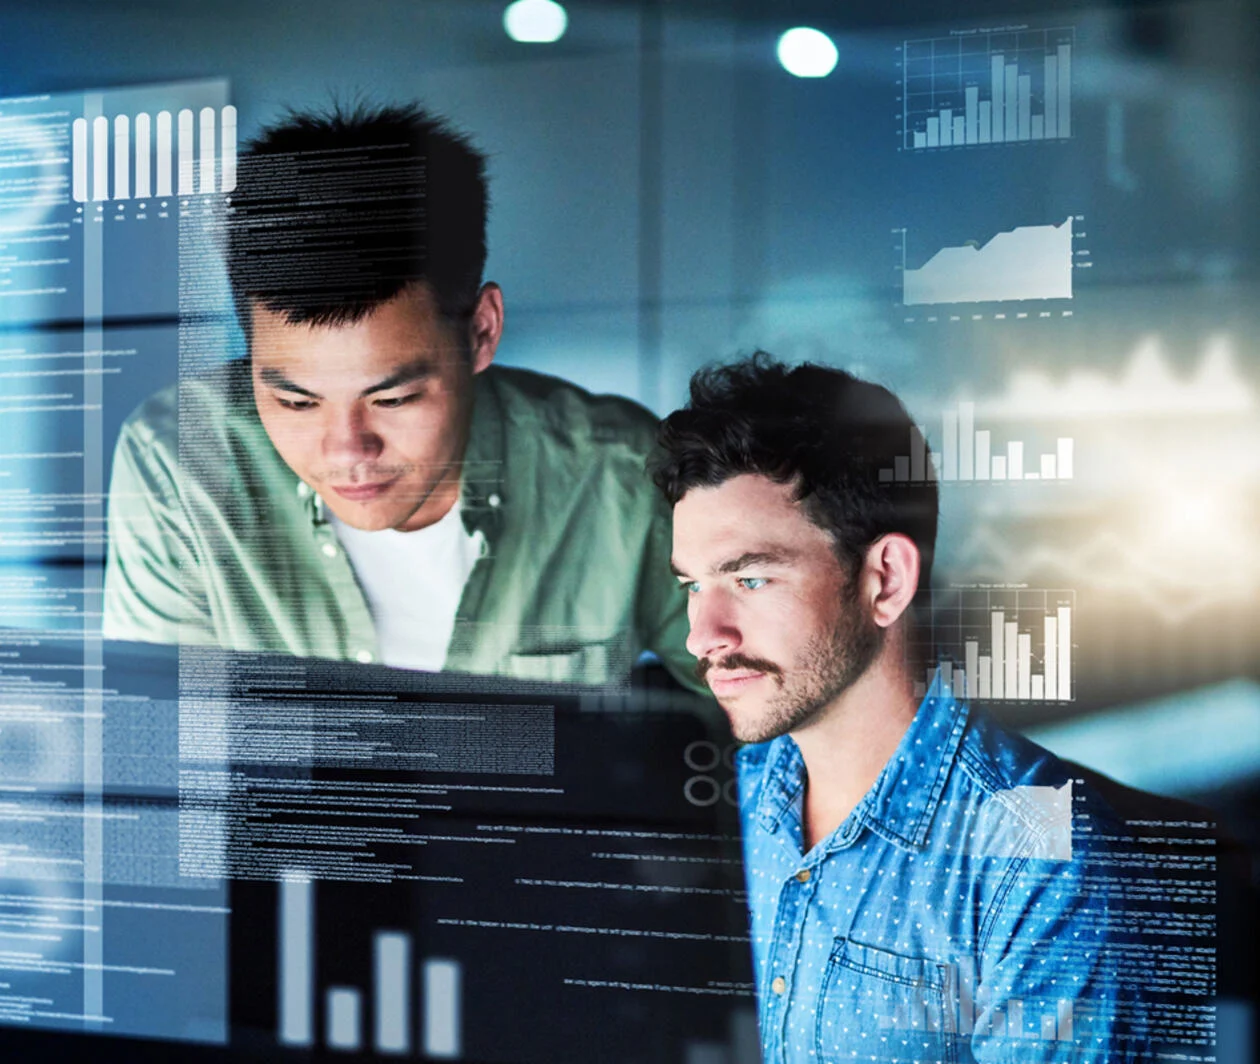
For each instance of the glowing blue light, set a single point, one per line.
(535, 21)
(807, 53)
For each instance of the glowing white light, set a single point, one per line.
(535, 21)
(807, 53)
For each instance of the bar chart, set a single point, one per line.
(185, 154)
(344, 1012)
(983, 88)
(968, 453)
(972, 1010)
(1003, 644)
(1028, 262)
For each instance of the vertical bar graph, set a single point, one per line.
(196, 155)
(966, 441)
(442, 989)
(997, 653)
(205, 151)
(164, 153)
(981, 87)
(100, 158)
(1064, 1017)
(967, 454)
(296, 960)
(949, 445)
(1010, 126)
(1013, 644)
(344, 1018)
(344, 1015)
(392, 963)
(143, 150)
(1064, 81)
(79, 156)
(187, 151)
(1015, 460)
(122, 157)
(1064, 620)
(227, 150)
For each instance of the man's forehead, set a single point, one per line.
(756, 518)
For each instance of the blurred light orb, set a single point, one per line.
(535, 21)
(807, 53)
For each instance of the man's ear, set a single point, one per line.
(485, 326)
(890, 577)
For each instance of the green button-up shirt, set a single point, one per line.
(214, 540)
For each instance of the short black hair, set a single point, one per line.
(834, 436)
(336, 211)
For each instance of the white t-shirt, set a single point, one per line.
(413, 582)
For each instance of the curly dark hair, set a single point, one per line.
(826, 431)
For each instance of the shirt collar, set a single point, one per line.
(904, 799)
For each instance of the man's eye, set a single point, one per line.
(396, 401)
(752, 583)
(689, 586)
(296, 404)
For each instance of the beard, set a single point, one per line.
(828, 665)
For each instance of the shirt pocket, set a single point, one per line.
(884, 1006)
(589, 664)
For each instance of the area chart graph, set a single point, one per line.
(1024, 263)
(986, 87)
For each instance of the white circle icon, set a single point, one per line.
(807, 53)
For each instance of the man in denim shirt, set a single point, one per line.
(923, 885)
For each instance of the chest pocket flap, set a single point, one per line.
(884, 1006)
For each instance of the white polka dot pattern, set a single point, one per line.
(931, 925)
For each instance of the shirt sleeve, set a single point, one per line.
(153, 589)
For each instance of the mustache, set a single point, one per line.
(737, 661)
(360, 474)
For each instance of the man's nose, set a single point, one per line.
(713, 626)
(349, 438)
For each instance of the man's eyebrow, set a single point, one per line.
(277, 379)
(755, 557)
(418, 370)
(745, 561)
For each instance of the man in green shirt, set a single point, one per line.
(366, 485)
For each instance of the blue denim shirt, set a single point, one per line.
(955, 915)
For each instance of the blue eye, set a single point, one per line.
(690, 586)
(752, 583)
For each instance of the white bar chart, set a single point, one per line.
(1007, 645)
(193, 154)
(393, 964)
(296, 960)
(967, 453)
(394, 1008)
(986, 88)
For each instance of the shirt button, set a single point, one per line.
(329, 549)
(304, 489)
(364, 657)
(494, 500)
(803, 875)
(779, 984)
